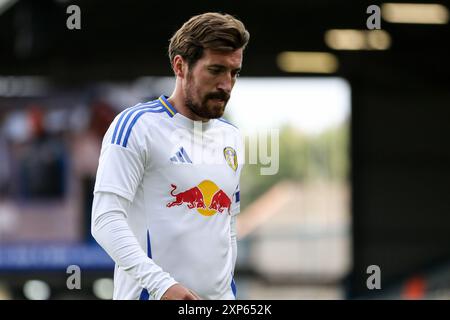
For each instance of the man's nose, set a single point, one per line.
(226, 83)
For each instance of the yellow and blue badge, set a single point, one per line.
(230, 156)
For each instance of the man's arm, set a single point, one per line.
(110, 229)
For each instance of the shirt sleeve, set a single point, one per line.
(122, 162)
(110, 229)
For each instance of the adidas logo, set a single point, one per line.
(181, 156)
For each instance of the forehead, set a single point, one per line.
(230, 59)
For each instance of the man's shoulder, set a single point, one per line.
(136, 119)
(152, 107)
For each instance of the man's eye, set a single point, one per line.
(214, 71)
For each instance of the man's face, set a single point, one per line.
(209, 83)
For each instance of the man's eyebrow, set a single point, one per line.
(221, 66)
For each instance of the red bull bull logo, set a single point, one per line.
(206, 197)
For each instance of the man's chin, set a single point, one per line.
(210, 114)
(210, 110)
(216, 110)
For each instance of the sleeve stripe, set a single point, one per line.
(121, 117)
(133, 122)
(119, 121)
(129, 114)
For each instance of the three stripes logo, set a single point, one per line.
(181, 156)
(129, 117)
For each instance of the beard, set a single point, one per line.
(205, 108)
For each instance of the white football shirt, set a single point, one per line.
(182, 179)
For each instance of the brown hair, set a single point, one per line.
(210, 30)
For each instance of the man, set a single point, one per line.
(167, 187)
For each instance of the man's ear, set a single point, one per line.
(179, 66)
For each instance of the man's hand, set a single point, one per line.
(178, 292)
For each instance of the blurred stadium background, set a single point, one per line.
(362, 117)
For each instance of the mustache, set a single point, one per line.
(218, 95)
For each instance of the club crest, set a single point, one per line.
(230, 156)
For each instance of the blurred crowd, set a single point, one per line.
(49, 154)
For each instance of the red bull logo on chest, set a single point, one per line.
(207, 198)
